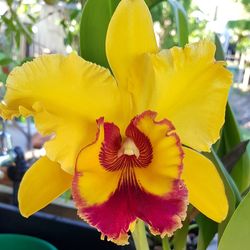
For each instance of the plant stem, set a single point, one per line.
(165, 244)
(139, 236)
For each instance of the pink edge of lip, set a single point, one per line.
(114, 217)
(177, 198)
(102, 216)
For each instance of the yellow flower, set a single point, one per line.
(123, 163)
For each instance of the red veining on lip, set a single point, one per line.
(110, 157)
(113, 217)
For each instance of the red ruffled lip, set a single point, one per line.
(130, 200)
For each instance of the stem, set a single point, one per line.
(139, 236)
(165, 244)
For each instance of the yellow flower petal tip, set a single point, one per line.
(41, 184)
(205, 187)
(135, 38)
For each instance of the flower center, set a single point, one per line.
(134, 151)
(129, 148)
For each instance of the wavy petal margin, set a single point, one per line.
(113, 204)
(187, 86)
(59, 92)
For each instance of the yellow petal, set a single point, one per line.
(130, 34)
(159, 176)
(41, 184)
(187, 87)
(205, 187)
(92, 182)
(65, 94)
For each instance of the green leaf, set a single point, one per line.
(207, 231)
(230, 159)
(8, 22)
(239, 24)
(180, 19)
(33, 19)
(152, 3)
(236, 234)
(9, 2)
(165, 243)
(5, 61)
(180, 236)
(74, 14)
(94, 24)
(219, 53)
(21, 27)
(181, 22)
(232, 137)
(230, 189)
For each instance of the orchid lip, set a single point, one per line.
(142, 167)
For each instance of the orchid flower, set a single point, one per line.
(127, 143)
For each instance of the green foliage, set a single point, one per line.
(12, 30)
(231, 190)
(170, 14)
(207, 231)
(246, 4)
(94, 24)
(239, 24)
(236, 235)
(231, 136)
(152, 3)
(14, 27)
(181, 22)
(241, 31)
(5, 61)
(180, 236)
(70, 23)
(163, 14)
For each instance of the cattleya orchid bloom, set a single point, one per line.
(127, 144)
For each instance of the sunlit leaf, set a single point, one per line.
(94, 24)
(236, 234)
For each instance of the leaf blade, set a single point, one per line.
(95, 19)
(236, 234)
